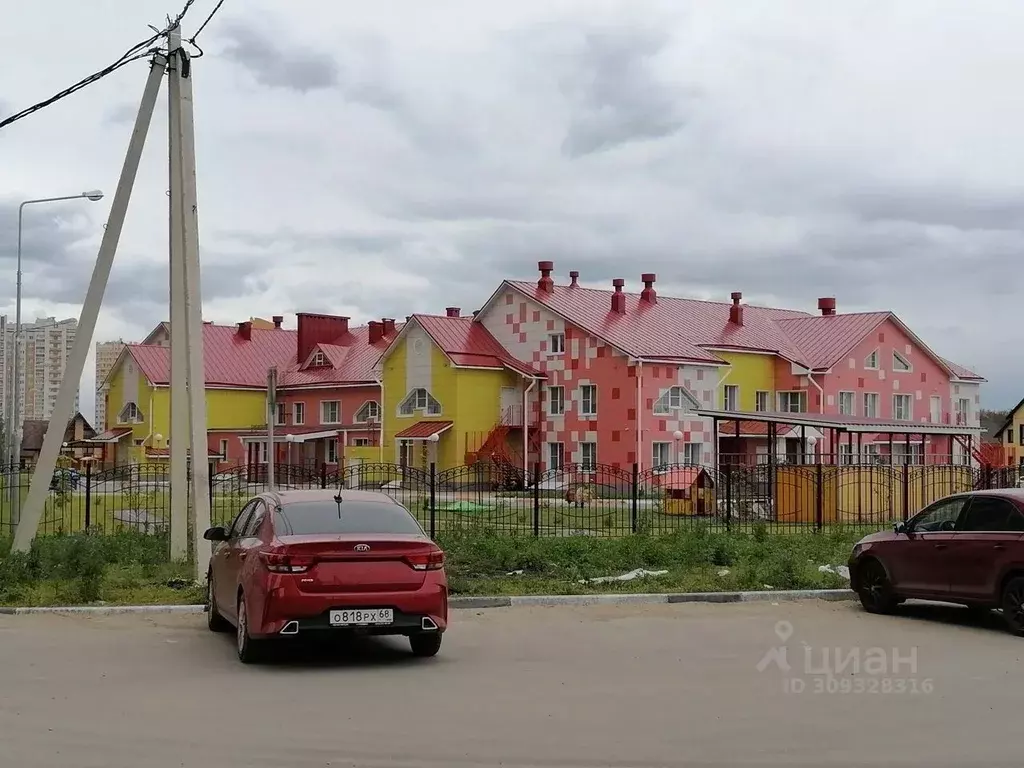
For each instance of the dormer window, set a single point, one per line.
(419, 400)
(130, 414)
(369, 412)
(900, 363)
(319, 360)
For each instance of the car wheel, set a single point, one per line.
(874, 589)
(249, 651)
(425, 644)
(1013, 604)
(214, 620)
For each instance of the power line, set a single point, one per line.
(138, 51)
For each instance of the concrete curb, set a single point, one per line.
(501, 602)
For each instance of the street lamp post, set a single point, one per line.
(14, 397)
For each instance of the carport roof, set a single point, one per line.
(841, 423)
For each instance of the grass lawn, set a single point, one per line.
(129, 567)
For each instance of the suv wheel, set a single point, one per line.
(1012, 603)
(874, 589)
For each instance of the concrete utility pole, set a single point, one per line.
(271, 417)
(188, 380)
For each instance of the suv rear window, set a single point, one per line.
(308, 517)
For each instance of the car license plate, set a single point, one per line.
(362, 617)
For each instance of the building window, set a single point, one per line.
(330, 412)
(588, 400)
(846, 407)
(692, 453)
(556, 343)
(223, 449)
(963, 411)
(556, 455)
(298, 413)
(902, 407)
(674, 399)
(130, 414)
(762, 401)
(907, 454)
(369, 412)
(1020, 430)
(556, 401)
(279, 413)
(419, 400)
(871, 361)
(845, 453)
(332, 451)
(732, 397)
(319, 360)
(662, 455)
(361, 442)
(588, 455)
(261, 451)
(935, 409)
(870, 405)
(793, 402)
(900, 363)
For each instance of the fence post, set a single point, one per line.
(323, 475)
(819, 497)
(433, 499)
(536, 498)
(634, 499)
(728, 496)
(906, 492)
(986, 473)
(88, 495)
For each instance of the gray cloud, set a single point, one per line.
(273, 65)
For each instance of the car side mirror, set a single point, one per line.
(900, 528)
(216, 533)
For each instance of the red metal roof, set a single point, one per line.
(825, 339)
(670, 329)
(470, 344)
(728, 428)
(229, 359)
(352, 359)
(961, 372)
(110, 436)
(423, 429)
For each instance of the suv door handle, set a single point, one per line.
(242, 555)
(940, 546)
(998, 546)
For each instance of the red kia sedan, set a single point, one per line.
(967, 548)
(297, 562)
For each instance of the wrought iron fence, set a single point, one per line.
(574, 500)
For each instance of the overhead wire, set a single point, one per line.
(138, 51)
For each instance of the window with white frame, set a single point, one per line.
(907, 454)
(261, 451)
(298, 413)
(935, 409)
(871, 361)
(661, 455)
(731, 397)
(330, 412)
(902, 407)
(556, 343)
(762, 401)
(963, 410)
(332, 452)
(370, 411)
(692, 453)
(871, 405)
(223, 450)
(130, 414)
(588, 400)
(319, 360)
(556, 455)
(419, 400)
(674, 399)
(900, 363)
(280, 413)
(556, 401)
(846, 404)
(793, 402)
(361, 442)
(845, 453)
(588, 455)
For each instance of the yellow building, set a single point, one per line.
(1010, 439)
(748, 384)
(236, 363)
(450, 393)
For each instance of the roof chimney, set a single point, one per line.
(827, 305)
(317, 329)
(736, 310)
(648, 293)
(476, 312)
(546, 283)
(389, 325)
(245, 330)
(574, 276)
(278, 320)
(376, 331)
(452, 311)
(618, 298)
(408, 318)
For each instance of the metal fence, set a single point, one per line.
(574, 500)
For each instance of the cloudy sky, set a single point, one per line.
(376, 159)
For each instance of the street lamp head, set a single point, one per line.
(158, 438)
(677, 435)
(434, 437)
(93, 194)
(289, 438)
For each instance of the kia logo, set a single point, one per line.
(361, 547)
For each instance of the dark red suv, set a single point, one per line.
(301, 562)
(967, 548)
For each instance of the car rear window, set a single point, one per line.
(307, 517)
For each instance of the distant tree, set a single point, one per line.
(992, 420)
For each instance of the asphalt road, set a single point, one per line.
(643, 687)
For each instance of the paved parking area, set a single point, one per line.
(640, 686)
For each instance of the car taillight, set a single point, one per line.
(426, 561)
(277, 562)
